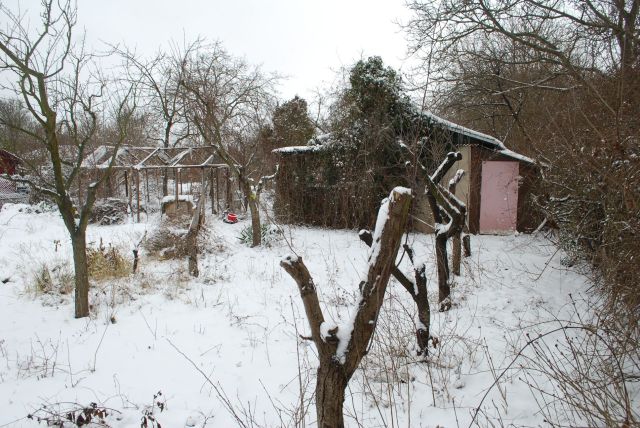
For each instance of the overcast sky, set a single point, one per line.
(307, 40)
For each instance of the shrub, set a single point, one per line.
(107, 263)
(269, 233)
(57, 280)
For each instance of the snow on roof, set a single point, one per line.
(301, 149)
(8, 155)
(100, 158)
(486, 140)
(323, 141)
(459, 129)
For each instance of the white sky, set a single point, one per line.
(307, 40)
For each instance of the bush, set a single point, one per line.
(59, 279)
(168, 240)
(107, 263)
(269, 234)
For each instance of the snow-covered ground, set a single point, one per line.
(228, 347)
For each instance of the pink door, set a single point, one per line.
(499, 197)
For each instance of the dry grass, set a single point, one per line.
(58, 279)
(107, 263)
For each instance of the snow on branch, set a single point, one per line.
(347, 343)
(447, 163)
(263, 180)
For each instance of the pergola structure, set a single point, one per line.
(143, 171)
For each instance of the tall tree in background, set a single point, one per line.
(291, 123)
(290, 126)
(160, 80)
(66, 101)
(227, 100)
(12, 111)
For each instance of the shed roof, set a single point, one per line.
(324, 142)
(8, 155)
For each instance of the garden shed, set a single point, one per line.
(497, 183)
(495, 187)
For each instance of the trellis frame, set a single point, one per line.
(131, 161)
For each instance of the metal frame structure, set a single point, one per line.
(186, 164)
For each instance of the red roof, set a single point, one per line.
(8, 162)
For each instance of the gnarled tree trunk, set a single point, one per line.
(444, 204)
(417, 289)
(331, 383)
(336, 368)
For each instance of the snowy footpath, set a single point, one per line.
(228, 348)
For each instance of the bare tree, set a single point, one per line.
(341, 348)
(50, 73)
(227, 100)
(578, 38)
(444, 206)
(160, 80)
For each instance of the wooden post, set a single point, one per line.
(130, 192)
(175, 179)
(108, 184)
(218, 189)
(229, 194)
(138, 196)
(126, 184)
(211, 192)
(146, 179)
(155, 174)
(456, 241)
(466, 244)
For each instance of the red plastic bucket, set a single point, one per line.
(232, 218)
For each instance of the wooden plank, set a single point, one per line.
(138, 196)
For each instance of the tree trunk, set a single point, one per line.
(418, 292)
(456, 253)
(192, 250)
(444, 290)
(424, 312)
(191, 239)
(330, 386)
(78, 242)
(256, 229)
(165, 182)
(335, 370)
(254, 209)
